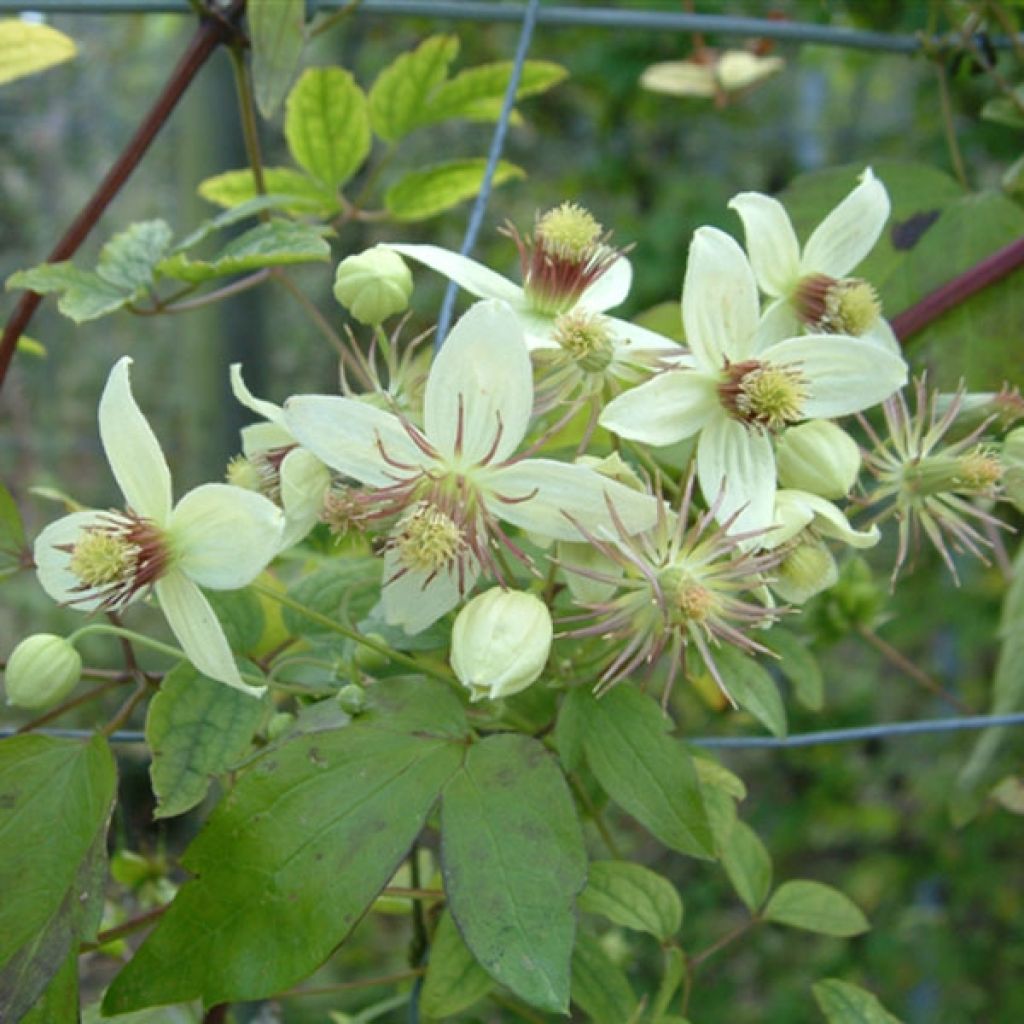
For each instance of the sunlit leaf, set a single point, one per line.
(28, 47)
(633, 896)
(815, 907)
(418, 195)
(843, 1003)
(292, 191)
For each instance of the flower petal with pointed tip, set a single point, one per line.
(610, 289)
(304, 482)
(666, 409)
(132, 449)
(268, 410)
(830, 521)
(778, 323)
(771, 242)
(262, 437)
(739, 463)
(414, 602)
(469, 275)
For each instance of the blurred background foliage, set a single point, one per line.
(946, 945)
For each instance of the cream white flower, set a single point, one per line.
(454, 482)
(290, 476)
(216, 536)
(811, 287)
(739, 392)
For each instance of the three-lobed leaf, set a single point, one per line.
(425, 193)
(633, 896)
(815, 907)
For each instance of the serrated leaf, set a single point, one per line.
(128, 259)
(267, 908)
(454, 980)
(233, 214)
(507, 810)
(402, 91)
(277, 32)
(27, 48)
(84, 295)
(196, 729)
(633, 896)
(815, 907)
(56, 797)
(600, 987)
(292, 191)
(752, 688)
(275, 243)
(747, 863)
(843, 1003)
(644, 770)
(346, 588)
(327, 125)
(799, 666)
(418, 195)
(240, 613)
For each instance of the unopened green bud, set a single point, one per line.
(280, 722)
(373, 285)
(807, 570)
(500, 643)
(41, 671)
(352, 699)
(818, 457)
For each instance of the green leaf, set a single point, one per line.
(454, 980)
(1003, 110)
(570, 727)
(327, 125)
(633, 896)
(241, 616)
(275, 243)
(671, 978)
(31, 347)
(428, 192)
(128, 259)
(84, 295)
(293, 191)
(645, 771)
(12, 533)
(59, 1002)
(197, 729)
(752, 688)
(27, 48)
(345, 588)
(717, 776)
(278, 33)
(403, 90)
(843, 1003)
(506, 811)
(56, 797)
(815, 908)
(268, 905)
(600, 987)
(748, 864)
(477, 94)
(799, 666)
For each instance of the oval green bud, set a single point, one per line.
(352, 699)
(373, 285)
(818, 457)
(280, 722)
(500, 643)
(807, 570)
(41, 671)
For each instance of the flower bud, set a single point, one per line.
(500, 643)
(373, 285)
(41, 671)
(818, 457)
(807, 570)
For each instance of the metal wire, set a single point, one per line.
(824, 738)
(614, 19)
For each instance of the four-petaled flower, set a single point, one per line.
(217, 536)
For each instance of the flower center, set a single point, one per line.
(428, 540)
(980, 469)
(118, 558)
(344, 509)
(688, 601)
(243, 473)
(568, 232)
(763, 395)
(847, 306)
(261, 472)
(586, 338)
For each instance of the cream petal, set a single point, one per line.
(224, 536)
(882, 334)
(778, 323)
(849, 232)
(634, 337)
(542, 496)
(538, 329)
(304, 482)
(666, 409)
(268, 410)
(357, 439)
(415, 601)
(720, 307)
(771, 242)
(738, 464)
(132, 449)
(831, 522)
(199, 632)
(844, 374)
(479, 393)
(55, 577)
(469, 275)
(610, 289)
(261, 437)
(792, 514)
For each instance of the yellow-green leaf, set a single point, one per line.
(27, 48)
(426, 193)
(634, 897)
(297, 192)
(815, 907)
(843, 1003)
(31, 347)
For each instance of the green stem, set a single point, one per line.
(68, 705)
(243, 284)
(247, 110)
(726, 940)
(949, 128)
(331, 20)
(128, 634)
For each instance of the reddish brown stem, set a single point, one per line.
(211, 32)
(991, 269)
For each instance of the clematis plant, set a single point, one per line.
(216, 536)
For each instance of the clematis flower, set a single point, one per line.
(454, 482)
(739, 394)
(217, 536)
(570, 276)
(811, 287)
(274, 464)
